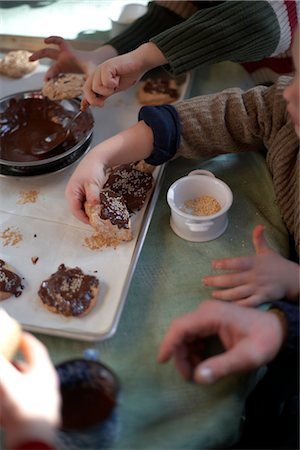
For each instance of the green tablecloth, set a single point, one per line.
(158, 410)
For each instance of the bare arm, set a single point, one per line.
(131, 145)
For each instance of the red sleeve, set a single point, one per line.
(35, 445)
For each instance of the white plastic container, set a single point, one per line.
(193, 227)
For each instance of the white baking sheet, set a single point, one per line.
(52, 234)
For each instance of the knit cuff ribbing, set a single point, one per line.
(156, 20)
(237, 31)
(291, 313)
(165, 124)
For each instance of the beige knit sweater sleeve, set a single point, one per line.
(232, 121)
(255, 120)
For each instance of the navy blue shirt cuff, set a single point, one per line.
(291, 312)
(165, 124)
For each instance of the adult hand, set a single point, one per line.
(29, 394)
(120, 73)
(253, 280)
(251, 338)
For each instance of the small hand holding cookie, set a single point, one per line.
(85, 184)
(253, 280)
(251, 338)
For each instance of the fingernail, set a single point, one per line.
(206, 374)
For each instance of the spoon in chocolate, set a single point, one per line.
(51, 142)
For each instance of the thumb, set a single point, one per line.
(110, 79)
(92, 193)
(52, 72)
(236, 360)
(259, 241)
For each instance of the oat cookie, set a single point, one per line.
(69, 292)
(10, 282)
(64, 86)
(16, 64)
(142, 166)
(158, 91)
(110, 218)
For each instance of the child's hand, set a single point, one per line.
(85, 185)
(120, 73)
(251, 338)
(267, 276)
(133, 144)
(112, 76)
(69, 60)
(65, 57)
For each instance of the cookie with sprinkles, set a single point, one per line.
(69, 292)
(132, 184)
(110, 218)
(10, 282)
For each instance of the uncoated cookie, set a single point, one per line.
(158, 91)
(16, 64)
(64, 86)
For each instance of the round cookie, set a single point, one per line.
(69, 292)
(10, 335)
(64, 86)
(10, 282)
(16, 64)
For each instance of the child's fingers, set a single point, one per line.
(259, 241)
(240, 263)
(234, 294)
(227, 280)
(92, 193)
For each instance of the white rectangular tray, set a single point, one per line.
(52, 234)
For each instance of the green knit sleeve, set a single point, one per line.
(236, 31)
(156, 20)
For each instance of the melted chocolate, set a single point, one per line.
(161, 86)
(27, 122)
(114, 209)
(69, 291)
(10, 282)
(132, 184)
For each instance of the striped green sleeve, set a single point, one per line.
(156, 20)
(236, 31)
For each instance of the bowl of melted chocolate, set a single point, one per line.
(27, 119)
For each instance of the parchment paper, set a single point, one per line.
(52, 234)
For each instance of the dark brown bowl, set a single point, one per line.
(23, 118)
